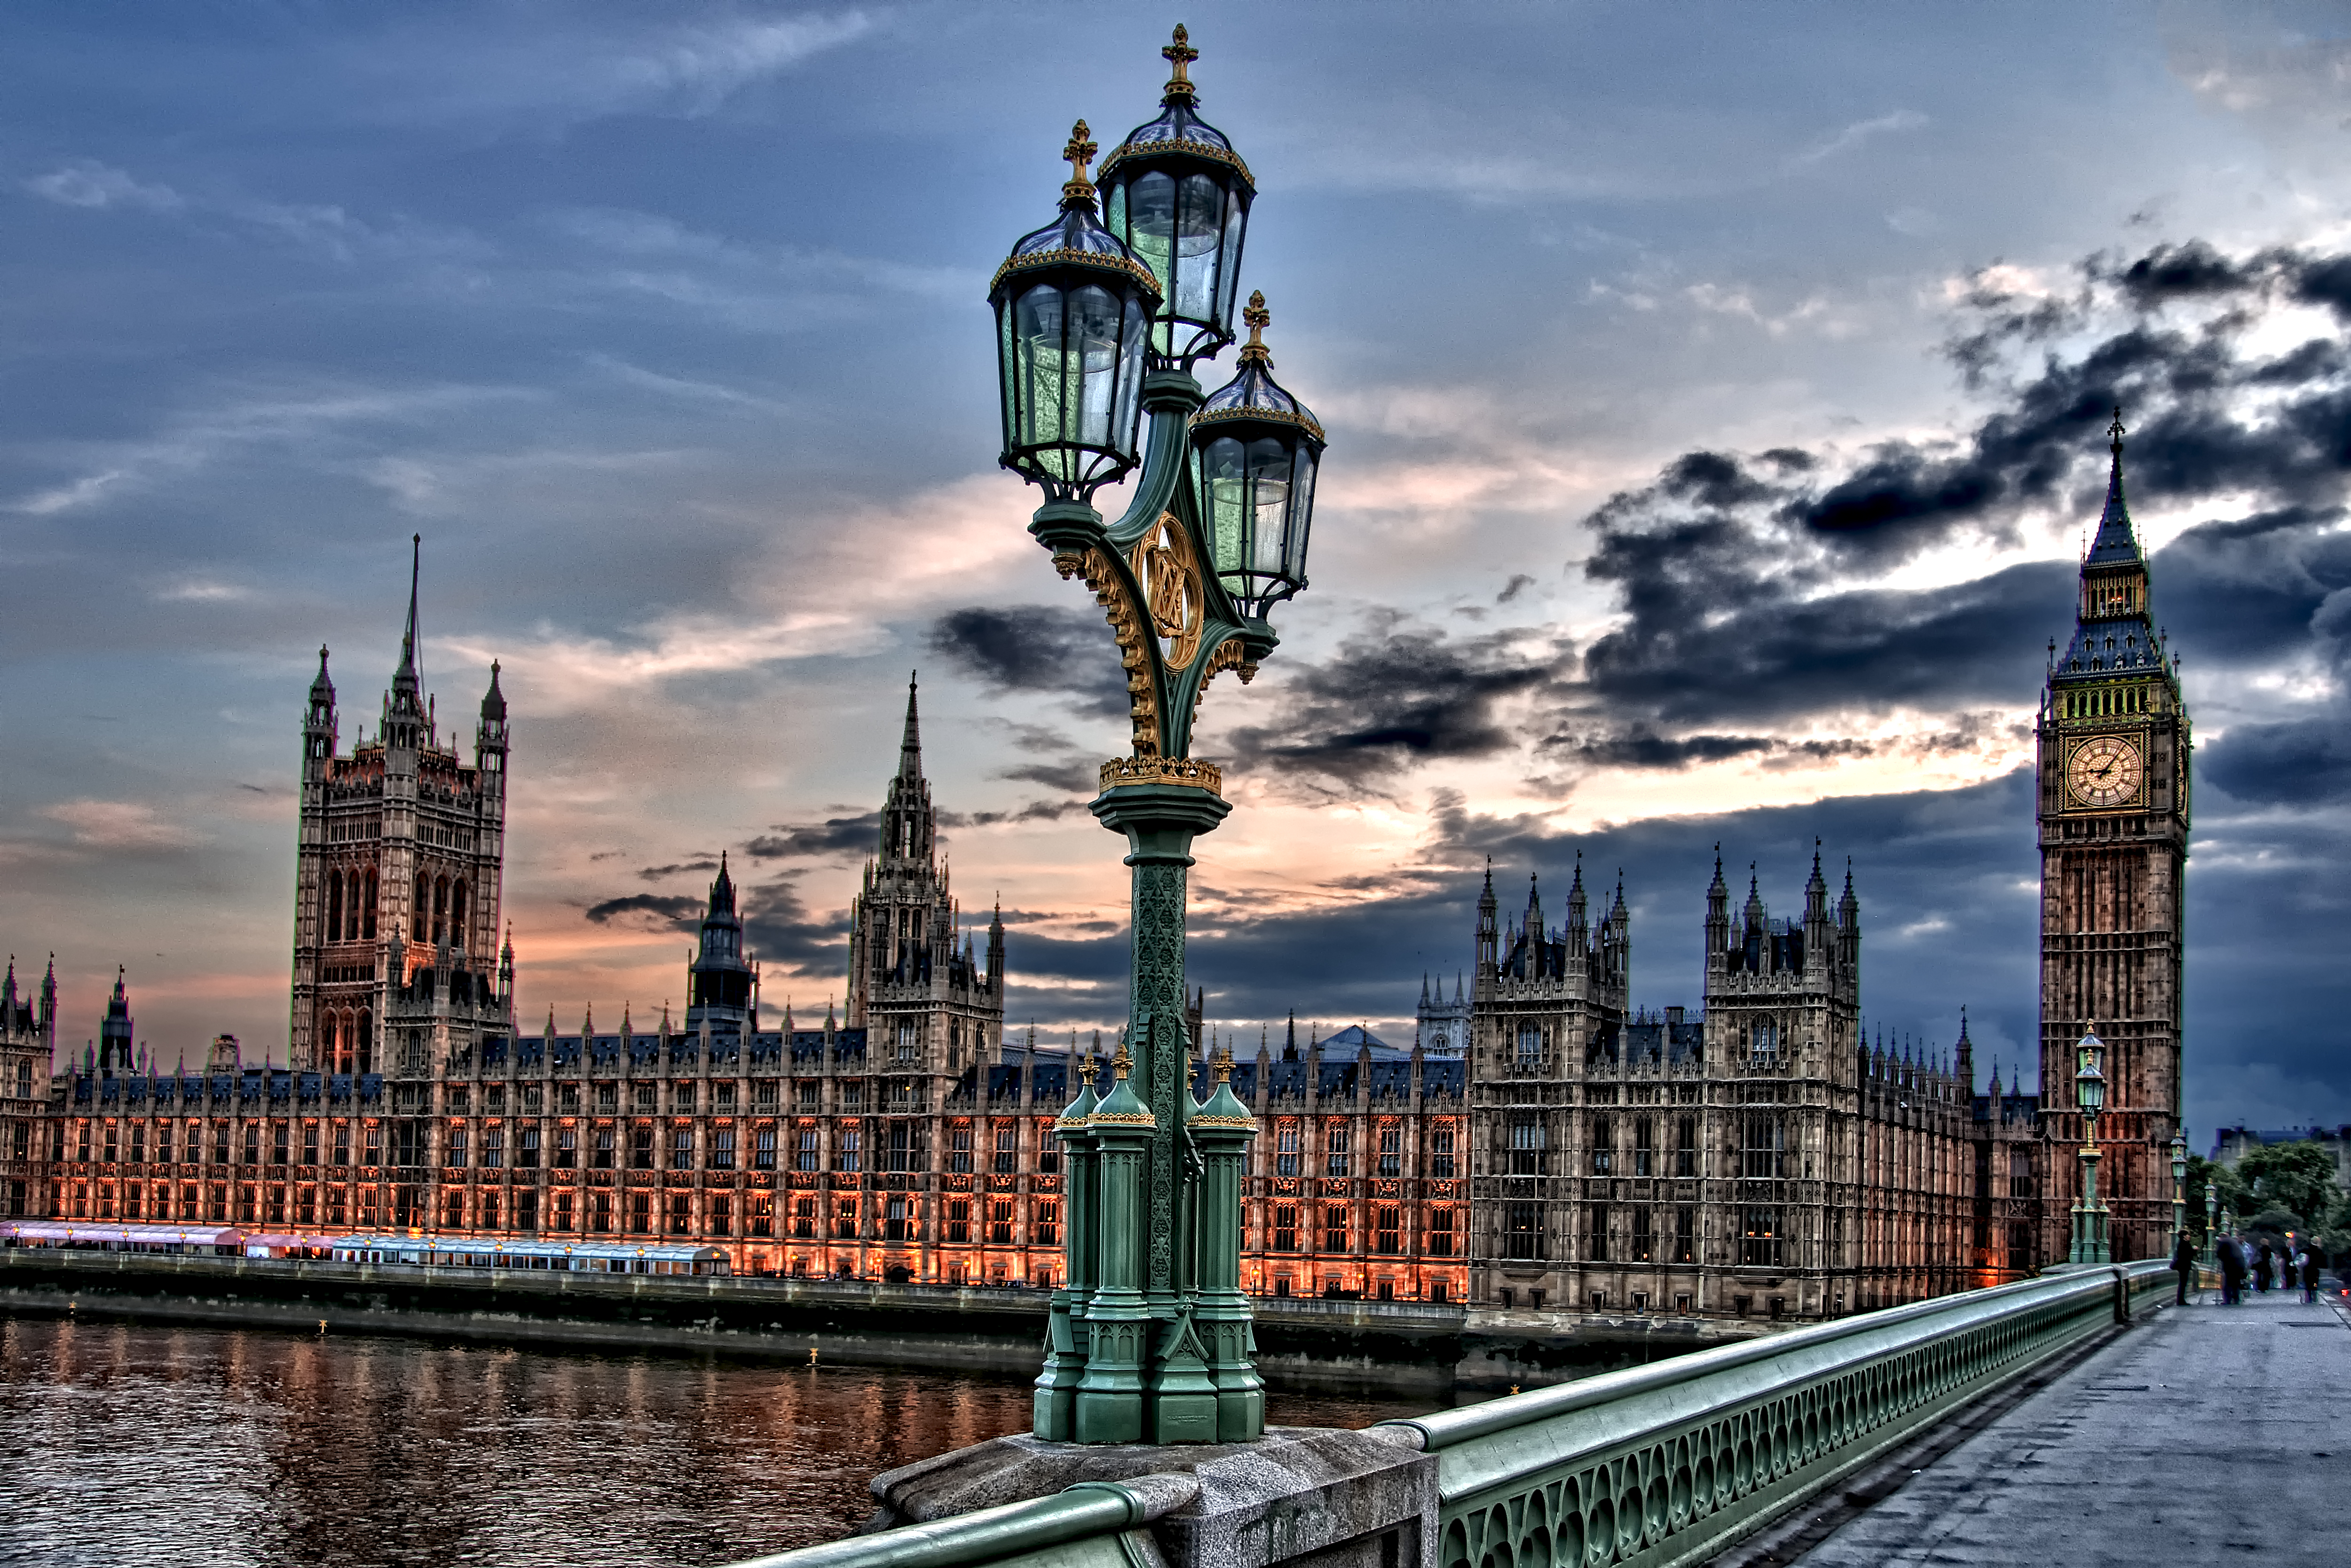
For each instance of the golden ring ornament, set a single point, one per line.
(1168, 572)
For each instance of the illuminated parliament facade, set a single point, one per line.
(1758, 1155)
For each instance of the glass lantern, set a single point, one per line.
(1072, 309)
(2089, 1081)
(1255, 450)
(1178, 195)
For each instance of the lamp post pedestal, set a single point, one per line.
(2090, 1215)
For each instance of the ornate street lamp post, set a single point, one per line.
(2178, 1188)
(2090, 1093)
(2212, 1223)
(1101, 316)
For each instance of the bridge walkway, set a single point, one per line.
(2209, 1434)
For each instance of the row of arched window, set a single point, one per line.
(441, 908)
(350, 906)
(446, 901)
(347, 1041)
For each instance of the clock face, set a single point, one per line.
(2103, 771)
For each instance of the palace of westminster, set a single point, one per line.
(1543, 1145)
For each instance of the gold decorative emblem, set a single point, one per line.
(1163, 564)
(2105, 770)
(1163, 770)
(1126, 625)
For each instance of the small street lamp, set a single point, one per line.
(2178, 1187)
(2211, 1221)
(2090, 1093)
(1101, 318)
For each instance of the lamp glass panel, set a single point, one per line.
(1068, 353)
(1301, 512)
(1228, 262)
(1269, 500)
(1224, 493)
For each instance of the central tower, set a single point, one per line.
(2113, 776)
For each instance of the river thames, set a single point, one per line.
(133, 1444)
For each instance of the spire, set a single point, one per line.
(722, 891)
(2114, 540)
(910, 745)
(1816, 888)
(321, 688)
(407, 677)
(1848, 907)
(1753, 911)
(493, 701)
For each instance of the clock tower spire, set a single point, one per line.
(2114, 750)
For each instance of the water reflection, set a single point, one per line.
(133, 1444)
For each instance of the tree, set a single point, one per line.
(2202, 1172)
(2298, 1177)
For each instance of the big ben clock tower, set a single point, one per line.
(2113, 775)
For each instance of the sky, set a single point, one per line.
(1717, 400)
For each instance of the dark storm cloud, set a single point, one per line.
(1744, 581)
(700, 862)
(833, 836)
(649, 911)
(1074, 775)
(1397, 694)
(779, 926)
(1036, 648)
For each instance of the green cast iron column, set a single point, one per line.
(1056, 1400)
(1109, 1404)
(2089, 1219)
(1221, 1129)
(1160, 821)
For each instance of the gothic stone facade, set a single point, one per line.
(1554, 1149)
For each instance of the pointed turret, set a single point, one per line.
(115, 1034)
(718, 984)
(1576, 905)
(2116, 540)
(910, 742)
(1751, 913)
(1966, 1052)
(1816, 891)
(1489, 939)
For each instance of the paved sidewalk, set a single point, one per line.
(2208, 1435)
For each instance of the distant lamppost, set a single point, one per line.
(2178, 1188)
(2211, 1221)
(1101, 316)
(2090, 1093)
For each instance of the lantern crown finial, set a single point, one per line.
(1180, 54)
(1080, 152)
(1259, 318)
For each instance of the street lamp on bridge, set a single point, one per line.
(2090, 1093)
(2178, 1188)
(1101, 316)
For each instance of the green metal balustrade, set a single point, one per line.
(1648, 1467)
(1670, 1463)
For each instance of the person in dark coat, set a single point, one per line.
(2183, 1264)
(2309, 1276)
(2262, 1268)
(2231, 1253)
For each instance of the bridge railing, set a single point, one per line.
(1670, 1463)
(1652, 1467)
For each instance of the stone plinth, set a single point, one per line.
(1333, 1497)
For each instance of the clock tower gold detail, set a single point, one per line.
(2105, 770)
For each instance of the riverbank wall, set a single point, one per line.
(1307, 1344)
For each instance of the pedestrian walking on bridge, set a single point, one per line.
(2183, 1264)
(2231, 1253)
(2264, 1269)
(2309, 1267)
